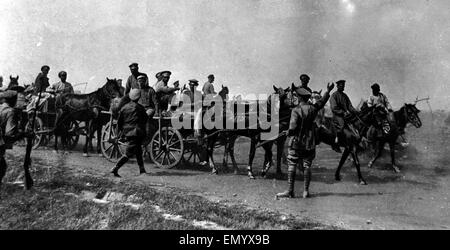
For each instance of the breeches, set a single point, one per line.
(3, 165)
(296, 157)
(134, 147)
(339, 123)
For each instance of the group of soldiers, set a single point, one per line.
(302, 143)
(141, 102)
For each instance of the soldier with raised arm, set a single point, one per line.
(303, 141)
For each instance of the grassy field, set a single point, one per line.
(57, 203)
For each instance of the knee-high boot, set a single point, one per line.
(307, 180)
(119, 164)
(291, 181)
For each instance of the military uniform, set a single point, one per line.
(164, 93)
(303, 141)
(62, 88)
(41, 83)
(132, 122)
(382, 122)
(340, 104)
(9, 129)
(132, 82)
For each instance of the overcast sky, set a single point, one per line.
(249, 45)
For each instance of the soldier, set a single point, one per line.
(9, 127)
(302, 145)
(132, 79)
(208, 88)
(194, 94)
(63, 86)
(304, 79)
(2, 88)
(163, 92)
(378, 99)
(148, 101)
(341, 106)
(41, 82)
(132, 122)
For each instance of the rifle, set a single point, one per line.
(27, 162)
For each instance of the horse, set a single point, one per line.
(254, 134)
(215, 137)
(351, 138)
(409, 113)
(13, 82)
(86, 108)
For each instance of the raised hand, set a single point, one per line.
(330, 87)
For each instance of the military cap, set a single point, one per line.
(142, 77)
(158, 75)
(304, 77)
(166, 73)
(135, 94)
(193, 82)
(211, 76)
(45, 67)
(375, 86)
(134, 65)
(8, 94)
(340, 82)
(303, 92)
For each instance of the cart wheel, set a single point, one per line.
(167, 148)
(193, 153)
(38, 128)
(73, 135)
(112, 148)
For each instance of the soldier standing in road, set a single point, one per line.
(9, 127)
(132, 122)
(302, 145)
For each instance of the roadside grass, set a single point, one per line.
(48, 205)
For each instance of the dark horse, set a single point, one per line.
(350, 140)
(84, 108)
(254, 133)
(409, 113)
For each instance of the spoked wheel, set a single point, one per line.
(167, 148)
(193, 152)
(112, 148)
(73, 135)
(38, 133)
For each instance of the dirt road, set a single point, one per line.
(418, 198)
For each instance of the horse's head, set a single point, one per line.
(316, 96)
(13, 80)
(224, 92)
(113, 88)
(411, 113)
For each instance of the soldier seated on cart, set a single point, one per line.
(164, 93)
(147, 100)
(132, 122)
(62, 87)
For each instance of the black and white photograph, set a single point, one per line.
(249, 116)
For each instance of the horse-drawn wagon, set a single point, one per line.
(45, 120)
(166, 146)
